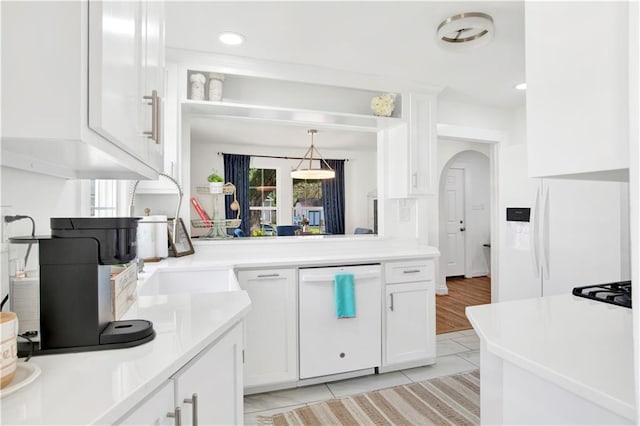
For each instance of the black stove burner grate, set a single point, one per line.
(618, 293)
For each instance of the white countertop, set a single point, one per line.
(305, 251)
(581, 345)
(99, 387)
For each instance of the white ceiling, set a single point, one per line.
(384, 38)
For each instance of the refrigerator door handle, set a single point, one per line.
(545, 232)
(533, 236)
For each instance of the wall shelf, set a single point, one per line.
(326, 119)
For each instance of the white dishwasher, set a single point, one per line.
(331, 345)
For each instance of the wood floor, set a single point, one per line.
(463, 292)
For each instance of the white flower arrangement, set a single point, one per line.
(383, 105)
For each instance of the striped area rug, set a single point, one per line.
(449, 400)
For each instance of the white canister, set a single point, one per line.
(197, 86)
(8, 346)
(146, 238)
(215, 86)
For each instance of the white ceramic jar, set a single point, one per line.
(197, 86)
(8, 347)
(215, 86)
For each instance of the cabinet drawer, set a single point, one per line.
(266, 274)
(409, 271)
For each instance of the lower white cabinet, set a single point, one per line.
(271, 332)
(409, 314)
(409, 323)
(209, 387)
(207, 390)
(154, 410)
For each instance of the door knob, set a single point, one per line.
(462, 229)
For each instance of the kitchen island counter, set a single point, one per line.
(558, 359)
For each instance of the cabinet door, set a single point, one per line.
(576, 106)
(153, 79)
(115, 74)
(271, 326)
(422, 144)
(216, 377)
(409, 323)
(153, 411)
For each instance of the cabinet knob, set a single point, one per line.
(194, 408)
(155, 116)
(176, 415)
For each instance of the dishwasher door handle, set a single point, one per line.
(330, 278)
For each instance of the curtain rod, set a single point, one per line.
(283, 158)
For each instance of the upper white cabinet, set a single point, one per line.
(576, 67)
(410, 150)
(74, 77)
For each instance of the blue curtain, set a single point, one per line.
(236, 171)
(333, 198)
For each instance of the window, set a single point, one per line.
(103, 198)
(262, 198)
(307, 202)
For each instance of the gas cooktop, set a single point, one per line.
(618, 293)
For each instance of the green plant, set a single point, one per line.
(215, 178)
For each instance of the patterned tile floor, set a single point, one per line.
(457, 352)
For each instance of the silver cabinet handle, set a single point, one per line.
(414, 180)
(268, 275)
(391, 307)
(176, 416)
(155, 116)
(194, 408)
(411, 271)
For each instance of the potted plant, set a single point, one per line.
(215, 183)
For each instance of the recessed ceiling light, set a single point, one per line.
(521, 86)
(231, 38)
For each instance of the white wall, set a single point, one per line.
(360, 176)
(41, 197)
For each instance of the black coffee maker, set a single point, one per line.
(75, 286)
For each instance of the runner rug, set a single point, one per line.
(449, 400)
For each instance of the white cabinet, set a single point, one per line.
(412, 151)
(210, 386)
(154, 409)
(271, 330)
(576, 104)
(409, 315)
(207, 390)
(62, 64)
(126, 75)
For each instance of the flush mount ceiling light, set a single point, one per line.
(521, 86)
(300, 172)
(466, 30)
(231, 38)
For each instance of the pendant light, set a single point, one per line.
(302, 172)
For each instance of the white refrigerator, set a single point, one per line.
(577, 233)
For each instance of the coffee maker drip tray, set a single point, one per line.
(126, 333)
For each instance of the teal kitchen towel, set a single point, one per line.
(344, 293)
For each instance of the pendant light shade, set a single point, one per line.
(305, 169)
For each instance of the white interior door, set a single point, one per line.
(455, 224)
